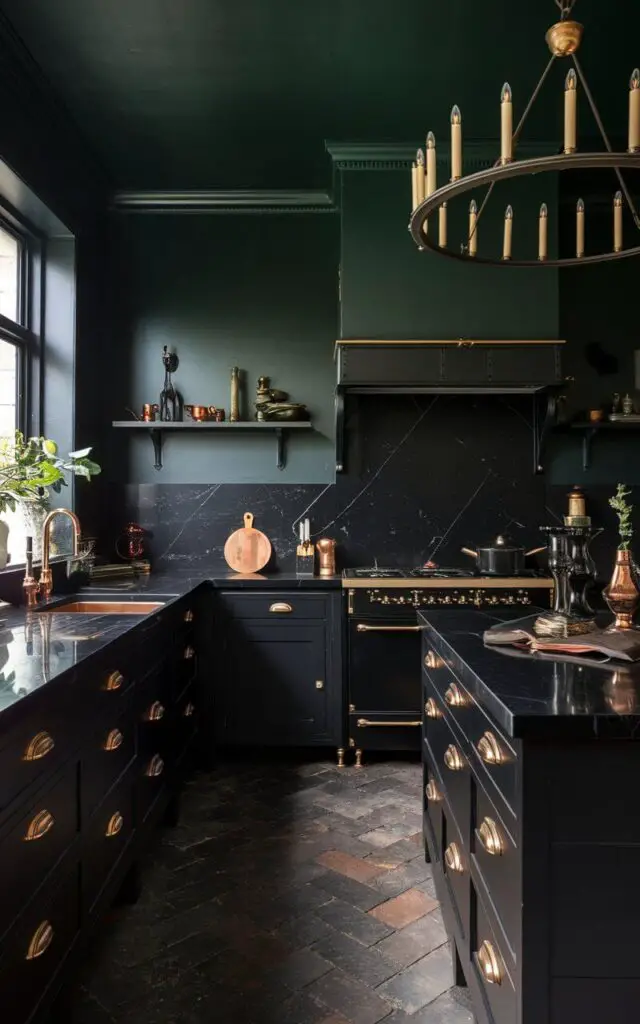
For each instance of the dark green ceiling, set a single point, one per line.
(242, 93)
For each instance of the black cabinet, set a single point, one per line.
(278, 680)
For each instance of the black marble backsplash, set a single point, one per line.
(425, 476)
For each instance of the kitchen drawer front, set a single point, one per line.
(186, 718)
(34, 749)
(490, 967)
(278, 605)
(37, 946)
(455, 865)
(384, 732)
(496, 860)
(432, 808)
(107, 755)
(383, 666)
(447, 753)
(106, 838)
(32, 845)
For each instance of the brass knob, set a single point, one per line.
(114, 740)
(38, 827)
(432, 791)
(114, 681)
(188, 615)
(453, 758)
(280, 607)
(189, 709)
(453, 860)
(41, 744)
(155, 712)
(490, 838)
(454, 696)
(116, 821)
(490, 964)
(155, 766)
(433, 660)
(319, 684)
(40, 941)
(489, 749)
(431, 709)
(189, 652)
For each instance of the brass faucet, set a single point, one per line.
(30, 585)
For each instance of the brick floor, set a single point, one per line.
(290, 893)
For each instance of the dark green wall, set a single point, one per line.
(256, 291)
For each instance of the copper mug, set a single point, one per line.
(149, 411)
(199, 413)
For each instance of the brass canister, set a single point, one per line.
(326, 548)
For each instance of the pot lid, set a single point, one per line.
(502, 543)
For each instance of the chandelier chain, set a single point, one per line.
(605, 138)
(566, 7)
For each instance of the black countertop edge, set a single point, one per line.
(532, 696)
(181, 581)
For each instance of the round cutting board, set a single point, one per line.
(247, 550)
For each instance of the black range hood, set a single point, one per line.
(451, 367)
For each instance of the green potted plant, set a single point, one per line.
(30, 468)
(621, 593)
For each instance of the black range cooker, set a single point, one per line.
(384, 641)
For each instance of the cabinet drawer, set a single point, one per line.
(496, 861)
(432, 809)
(107, 755)
(455, 865)
(34, 749)
(276, 605)
(37, 946)
(448, 755)
(488, 964)
(32, 845)
(384, 731)
(186, 717)
(108, 833)
(152, 771)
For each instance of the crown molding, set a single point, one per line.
(246, 201)
(398, 156)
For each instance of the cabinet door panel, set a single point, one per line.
(274, 689)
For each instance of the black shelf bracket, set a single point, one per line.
(587, 441)
(545, 414)
(281, 459)
(156, 439)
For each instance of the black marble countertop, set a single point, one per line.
(536, 695)
(39, 647)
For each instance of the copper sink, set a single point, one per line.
(105, 608)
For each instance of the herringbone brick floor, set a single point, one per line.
(290, 893)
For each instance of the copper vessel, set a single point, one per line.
(326, 549)
(200, 413)
(622, 594)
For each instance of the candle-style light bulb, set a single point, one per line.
(508, 233)
(473, 228)
(543, 222)
(420, 176)
(570, 111)
(456, 143)
(617, 222)
(442, 226)
(634, 111)
(432, 176)
(580, 228)
(414, 185)
(506, 124)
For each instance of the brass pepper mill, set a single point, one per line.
(234, 414)
(326, 548)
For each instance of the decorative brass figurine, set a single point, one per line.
(234, 414)
(272, 404)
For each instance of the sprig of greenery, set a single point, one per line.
(30, 466)
(623, 509)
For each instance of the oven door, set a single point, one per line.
(384, 666)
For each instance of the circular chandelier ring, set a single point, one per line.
(516, 169)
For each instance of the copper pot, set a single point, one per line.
(199, 413)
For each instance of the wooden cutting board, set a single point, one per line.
(247, 550)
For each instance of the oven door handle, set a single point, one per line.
(363, 628)
(366, 723)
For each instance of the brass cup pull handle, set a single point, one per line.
(114, 827)
(40, 941)
(432, 792)
(189, 710)
(114, 740)
(366, 723)
(489, 749)
(453, 758)
(41, 744)
(431, 709)
(488, 835)
(114, 681)
(453, 859)
(490, 964)
(155, 766)
(454, 696)
(189, 652)
(155, 712)
(432, 660)
(362, 627)
(188, 615)
(280, 608)
(39, 825)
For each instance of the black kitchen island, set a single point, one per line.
(531, 769)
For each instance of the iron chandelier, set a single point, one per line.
(563, 40)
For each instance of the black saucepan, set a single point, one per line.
(502, 558)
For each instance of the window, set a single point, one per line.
(16, 341)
